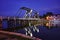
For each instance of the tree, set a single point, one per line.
(49, 14)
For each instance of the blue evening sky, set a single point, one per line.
(10, 7)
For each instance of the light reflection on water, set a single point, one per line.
(44, 31)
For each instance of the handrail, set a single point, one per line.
(17, 34)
